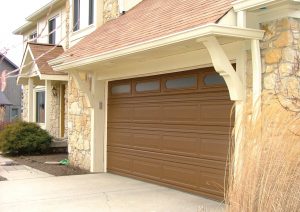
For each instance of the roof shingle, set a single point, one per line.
(43, 53)
(150, 19)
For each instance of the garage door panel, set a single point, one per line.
(146, 113)
(216, 149)
(201, 129)
(149, 168)
(175, 137)
(146, 141)
(120, 113)
(186, 144)
(119, 138)
(168, 157)
(180, 175)
(180, 144)
(119, 163)
(211, 180)
(179, 113)
(217, 113)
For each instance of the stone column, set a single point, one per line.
(280, 51)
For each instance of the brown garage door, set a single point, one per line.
(171, 129)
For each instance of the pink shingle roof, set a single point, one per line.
(43, 53)
(149, 20)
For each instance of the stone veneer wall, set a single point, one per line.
(111, 10)
(280, 56)
(66, 110)
(54, 112)
(79, 117)
(54, 129)
(24, 103)
(79, 128)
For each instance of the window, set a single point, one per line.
(76, 14)
(14, 113)
(51, 30)
(40, 107)
(91, 12)
(83, 14)
(33, 37)
(214, 79)
(121, 89)
(147, 86)
(182, 82)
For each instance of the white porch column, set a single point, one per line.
(30, 100)
(98, 126)
(48, 90)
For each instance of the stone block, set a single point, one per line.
(285, 39)
(269, 81)
(273, 56)
(285, 69)
(289, 54)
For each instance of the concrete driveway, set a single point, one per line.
(96, 192)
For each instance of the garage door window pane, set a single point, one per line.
(181, 83)
(147, 86)
(214, 79)
(121, 89)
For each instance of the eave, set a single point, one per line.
(24, 28)
(241, 5)
(45, 10)
(61, 64)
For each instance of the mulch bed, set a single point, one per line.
(38, 162)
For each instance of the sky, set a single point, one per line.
(12, 16)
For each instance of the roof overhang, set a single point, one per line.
(241, 5)
(228, 33)
(34, 17)
(45, 10)
(29, 69)
(24, 28)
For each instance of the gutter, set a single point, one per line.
(60, 63)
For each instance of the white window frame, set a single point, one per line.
(56, 40)
(83, 18)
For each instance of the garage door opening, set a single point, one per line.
(171, 129)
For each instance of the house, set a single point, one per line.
(151, 84)
(11, 91)
(44, 91)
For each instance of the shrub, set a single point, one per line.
(24, 138)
